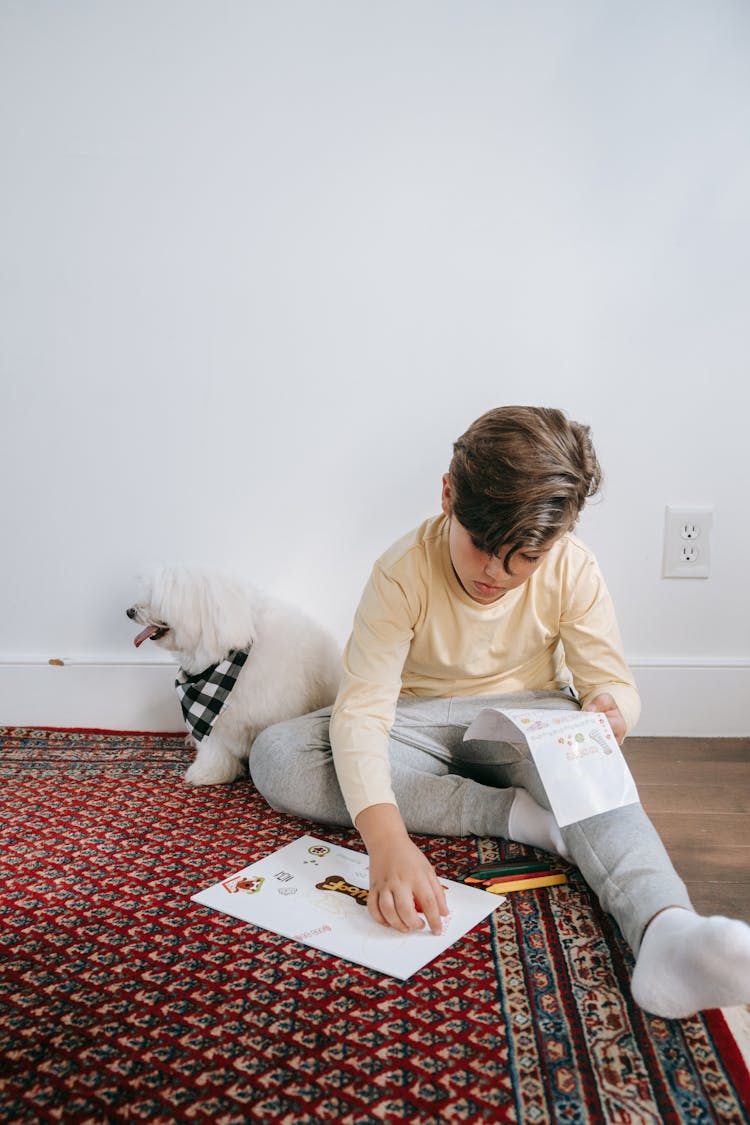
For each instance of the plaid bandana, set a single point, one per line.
(204, 697)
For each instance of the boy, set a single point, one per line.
(494, 603)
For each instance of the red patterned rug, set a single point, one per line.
(122, 1001)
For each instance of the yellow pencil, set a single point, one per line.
(500, 888)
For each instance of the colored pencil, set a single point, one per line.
(503, 887)
(511, 861)
(508, 866)
(503, 867)
(508, 878)
(489, 879)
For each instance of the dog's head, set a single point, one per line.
(198, 615)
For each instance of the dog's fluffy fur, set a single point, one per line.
(293, 667)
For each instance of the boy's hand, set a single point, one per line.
(606, 704)
(403, 882)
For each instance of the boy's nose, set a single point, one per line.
(493, 567)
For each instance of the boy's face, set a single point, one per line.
(483, 576)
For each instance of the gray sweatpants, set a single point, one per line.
(447, 787)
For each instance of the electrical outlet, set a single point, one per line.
(687, 552)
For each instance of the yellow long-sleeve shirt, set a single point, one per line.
(418, 633)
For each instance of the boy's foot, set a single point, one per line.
(688, 963)
(529, 823)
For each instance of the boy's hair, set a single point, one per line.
(520, 476)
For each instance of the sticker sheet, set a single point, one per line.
(316, 893)
(581, 766)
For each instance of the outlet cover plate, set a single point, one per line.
(687, 543)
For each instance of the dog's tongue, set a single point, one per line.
(149, 631)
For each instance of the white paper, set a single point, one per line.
(581, 766)
(283, 893)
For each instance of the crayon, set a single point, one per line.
(510, 878)
(507, 867)
(491, 879)
(504, 887)
(510, 861)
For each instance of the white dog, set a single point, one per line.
(246, 661)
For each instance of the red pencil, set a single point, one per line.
(487, 882)
(498, 886)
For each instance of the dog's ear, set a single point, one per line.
(230, 608)
(174, 601)
(209, 613)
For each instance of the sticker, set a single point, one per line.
(339, 883)
(250, 884)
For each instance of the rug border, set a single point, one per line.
(94, 730)
(730, 1053)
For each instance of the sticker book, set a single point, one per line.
(316, 893)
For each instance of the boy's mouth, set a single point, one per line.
(487, 591)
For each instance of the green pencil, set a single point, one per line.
(508, 867)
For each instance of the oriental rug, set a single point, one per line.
(122, 1001)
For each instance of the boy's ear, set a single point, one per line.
(445, 500)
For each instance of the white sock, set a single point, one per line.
(529, 823)
(688, 963)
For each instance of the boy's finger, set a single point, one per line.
(603, 702)
(442, 903)
(435, 921)
(606, 704)
(432, 915)
(383, 910)
(433, 910)
(373, 909)
(406, 906)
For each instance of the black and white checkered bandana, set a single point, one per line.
(203, 697)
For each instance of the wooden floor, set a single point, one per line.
(697, 793)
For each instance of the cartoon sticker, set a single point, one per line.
(249, 884)
(339, 883)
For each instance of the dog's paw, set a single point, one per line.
(201, 774)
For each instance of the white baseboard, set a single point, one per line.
(691, 697)
(680, 696)
(105, 696)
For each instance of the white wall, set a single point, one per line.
(262, 262)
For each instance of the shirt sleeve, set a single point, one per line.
(592, 644)
(370, 686)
